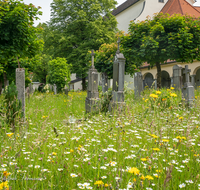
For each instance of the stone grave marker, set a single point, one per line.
(188, 89)
(31, 88)
(138, 84)
(92, 103)
(55, 89)
(66, 90)
(177, 77)
(118, 81)
(20, 83)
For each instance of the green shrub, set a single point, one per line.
(105, 100)
(12, 105)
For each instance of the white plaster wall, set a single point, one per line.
(129, 14)
(151, 7)
(130, 81)
(73, 76)
(78, 85)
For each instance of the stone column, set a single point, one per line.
(188, 88)
(92, 103)
(138, 84)
(193, 80)
(20, 83)
(31, 88)
(55, 89)
(118, 83)
(177, 77)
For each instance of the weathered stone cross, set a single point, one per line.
(92, 54)
(118, 42)
(187, 73)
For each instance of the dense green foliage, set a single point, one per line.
(79, 26)
(58, 72)
(18, 36)
(161, 39)
(12, 105)
(104, 58)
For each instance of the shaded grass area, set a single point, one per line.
(153, 144)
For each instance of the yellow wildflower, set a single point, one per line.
(142, 177)
(6, 174)
(71, 151)
(54, 153)
(165, 140)
(4, 185)
(99, 183)
(153, 95)
(172, 88)
(149, 177)
(156, 149)
(143, 159)
(158, 92)
(134, 171)
(106, 185)
(9, 134)
(158, 171)
(173, 95)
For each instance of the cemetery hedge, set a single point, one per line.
(154, 144)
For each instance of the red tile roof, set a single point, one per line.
(180, 7)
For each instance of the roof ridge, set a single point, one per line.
(166, 4)
(181, 6)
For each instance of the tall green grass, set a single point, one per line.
(153, 144)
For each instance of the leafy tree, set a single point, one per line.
(18, 36)
(38, 65)
(79, 26)
(163, 38)
(58, 72)
(104, 58)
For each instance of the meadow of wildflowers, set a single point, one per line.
(153, 144)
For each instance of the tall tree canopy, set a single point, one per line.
(163, 38)
(79, 26)
(17, 33)
(18, 36)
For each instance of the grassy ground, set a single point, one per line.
(154, 144)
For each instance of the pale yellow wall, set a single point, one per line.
(168, 67)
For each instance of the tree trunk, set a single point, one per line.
(84, 83)
(1, 83)
(158, 75)
(5, 80)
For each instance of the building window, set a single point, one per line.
(161, 1)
